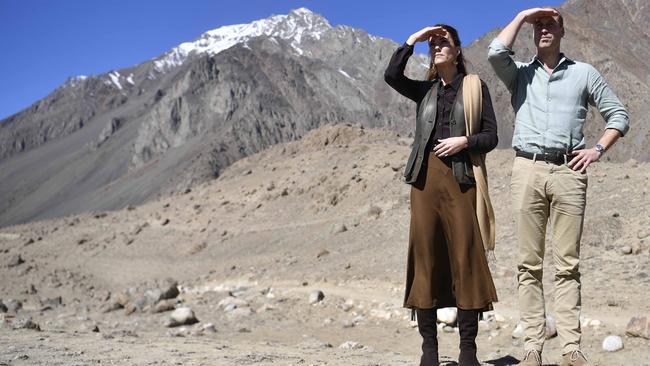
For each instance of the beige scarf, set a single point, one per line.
(472, 103)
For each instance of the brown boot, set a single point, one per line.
(468, 329)
(574, 358)
(429, 331)
(532, 358)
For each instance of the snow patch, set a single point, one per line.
(346, 74)
(130, 79)
(115, 79)
(293, 27)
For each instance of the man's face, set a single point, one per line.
(548, 33)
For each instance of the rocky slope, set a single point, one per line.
(250, 250)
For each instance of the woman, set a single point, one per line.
(447, 266)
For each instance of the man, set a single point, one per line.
(549, 181)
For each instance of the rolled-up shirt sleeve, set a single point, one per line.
(500, 57)
(610, 107)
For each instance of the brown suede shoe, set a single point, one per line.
(575, 358)
(532, 358)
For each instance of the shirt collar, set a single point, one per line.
(454, 83)
(563, 59)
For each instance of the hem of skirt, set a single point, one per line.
(485, 306)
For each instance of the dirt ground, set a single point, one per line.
(247, 251)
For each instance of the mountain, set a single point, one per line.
(102, 142)
(106, 141)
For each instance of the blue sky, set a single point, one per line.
(44, 41)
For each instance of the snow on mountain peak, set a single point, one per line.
(293, 27)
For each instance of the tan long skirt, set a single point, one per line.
(446, 260)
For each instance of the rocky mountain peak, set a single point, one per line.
(294, 27)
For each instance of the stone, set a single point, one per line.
(612, 343)
(381, 314)
(232, 303)
(111, 306)
(551, 327)
(316, 296)
(448, 329)
(15, 260)
(122, 299)
(339, 228)
(638, 326)
(447, 315)
(241, 312)
(322, 253)
(169, 289)
(209, 327)
(13, 305)
(181, 316)
(3, 308)
(347, 305)
(25, 323)
(164, 305)
(351, 345)
(348, 324)
(626, 249)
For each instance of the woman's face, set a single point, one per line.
(443, 51)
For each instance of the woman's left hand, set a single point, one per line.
(450, 146)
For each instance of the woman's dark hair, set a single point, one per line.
(460, 60)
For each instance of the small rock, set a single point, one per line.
(164, 222)
(322, 253)
(233, 302)
(316, 296)
(612, 343)
(351, 345)
(209, 327)
(15, 260)
(551, 327)
(182, 316)
(626, 249)
(348, 324)
(122, 299)
(111, 306)
(639, 326)
(241, 312)
(374, 211)
(25, 323)
(448, 329)
(3, 308)
(31, 290)
(13, 305)
(447, 315)
(164, 305)
(346, 306)
(339, 228)
(595, 323)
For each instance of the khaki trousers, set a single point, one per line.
(542, 191)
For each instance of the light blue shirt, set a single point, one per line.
(550, 110)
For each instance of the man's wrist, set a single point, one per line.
(600, 149)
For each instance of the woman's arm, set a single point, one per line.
(486, 140)
(394, 74)
(481, 142)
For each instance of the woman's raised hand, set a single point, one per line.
(425, 34)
